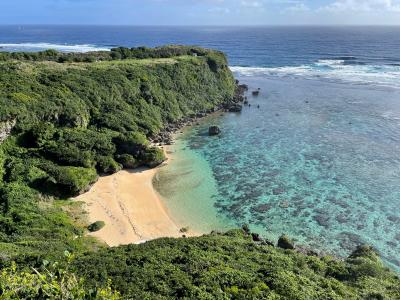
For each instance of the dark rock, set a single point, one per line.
(267, 243)
(285, 243)
(246, 228)
(235, 108)
(256, 237)
(214, 130)
(200, 115)
(243, 87)
(255, 93)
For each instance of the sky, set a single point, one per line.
(201, 12)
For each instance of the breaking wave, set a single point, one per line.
(45, 46)
(344, 69)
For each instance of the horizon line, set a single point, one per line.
(208, 25)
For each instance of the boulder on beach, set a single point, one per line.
(214, 130)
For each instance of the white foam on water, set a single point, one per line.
(330, 62)
(337, 70)
(45, 46)
(390, 115)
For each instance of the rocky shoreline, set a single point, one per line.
(165, 136)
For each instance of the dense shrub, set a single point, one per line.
(70, 180)
(127, 161)
(153, 157)
(229, 266)
(49, 282)
(107, 165)
(115, 54)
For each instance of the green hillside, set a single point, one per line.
(66, 118)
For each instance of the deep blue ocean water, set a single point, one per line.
(318, 159)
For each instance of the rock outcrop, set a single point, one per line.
(5, 129)
(285, 243)
(214, 130)
(235, 108)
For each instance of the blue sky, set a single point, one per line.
(200, 12)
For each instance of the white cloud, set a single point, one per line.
(254, 4)
(219, 10)
(362, 6)
(298, 7)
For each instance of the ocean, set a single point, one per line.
(315, 156)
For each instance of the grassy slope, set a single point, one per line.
(232, 266)
(76, 120)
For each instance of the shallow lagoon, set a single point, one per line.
(318, 160)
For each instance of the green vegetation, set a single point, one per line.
(50, 282)
(77, 116)
(119, 53)
(233, 266)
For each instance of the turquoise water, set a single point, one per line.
(188, 185)
(318, 160)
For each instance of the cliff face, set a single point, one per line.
(5, 129)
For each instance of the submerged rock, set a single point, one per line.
(214, 130)
(256, 93)
(284, 204)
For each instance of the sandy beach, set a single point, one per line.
(130, 207)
